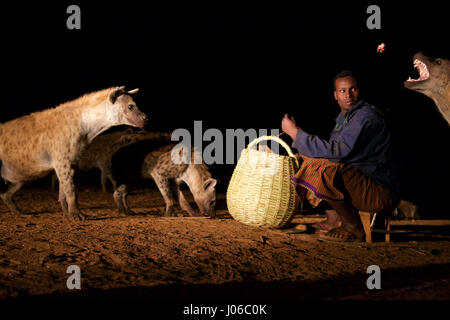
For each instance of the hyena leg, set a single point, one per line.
(184, 204)
(65, 176)
(8, 195)
(164, 187)
(54, 182)
(106, 175)
(103, 180)
(120, 198)
(62, 200)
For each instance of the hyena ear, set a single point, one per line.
(133, 92)
(118, 91)
(209, 184)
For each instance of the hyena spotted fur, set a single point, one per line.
(32, 146)
(99, 154)
(168, 176)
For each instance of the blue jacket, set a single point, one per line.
(360, 138)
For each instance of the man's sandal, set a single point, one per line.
(340, 235)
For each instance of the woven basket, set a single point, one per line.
(261, 192)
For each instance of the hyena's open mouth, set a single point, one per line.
(422, 69)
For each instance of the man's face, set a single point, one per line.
(346, 93)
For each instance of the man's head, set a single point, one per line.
(346, 91)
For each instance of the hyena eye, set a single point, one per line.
(130, 107)
(438, 61)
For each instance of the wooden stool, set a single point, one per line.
(368, 221)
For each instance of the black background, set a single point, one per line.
(236, 66)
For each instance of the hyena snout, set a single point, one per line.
(208, 212)
(206, 208)
(137, 118)
(207, 200)
(211, 214)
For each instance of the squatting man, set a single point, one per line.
(351, 170)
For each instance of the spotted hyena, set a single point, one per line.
(99, 153)
(34, 145)
(168, 176)
(434, 81)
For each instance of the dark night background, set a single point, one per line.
(235, 66)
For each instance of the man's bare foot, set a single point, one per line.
(333, 221)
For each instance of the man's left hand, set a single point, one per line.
(288, 125)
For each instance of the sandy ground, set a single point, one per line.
(150, 256)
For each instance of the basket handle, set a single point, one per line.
(279, 141)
